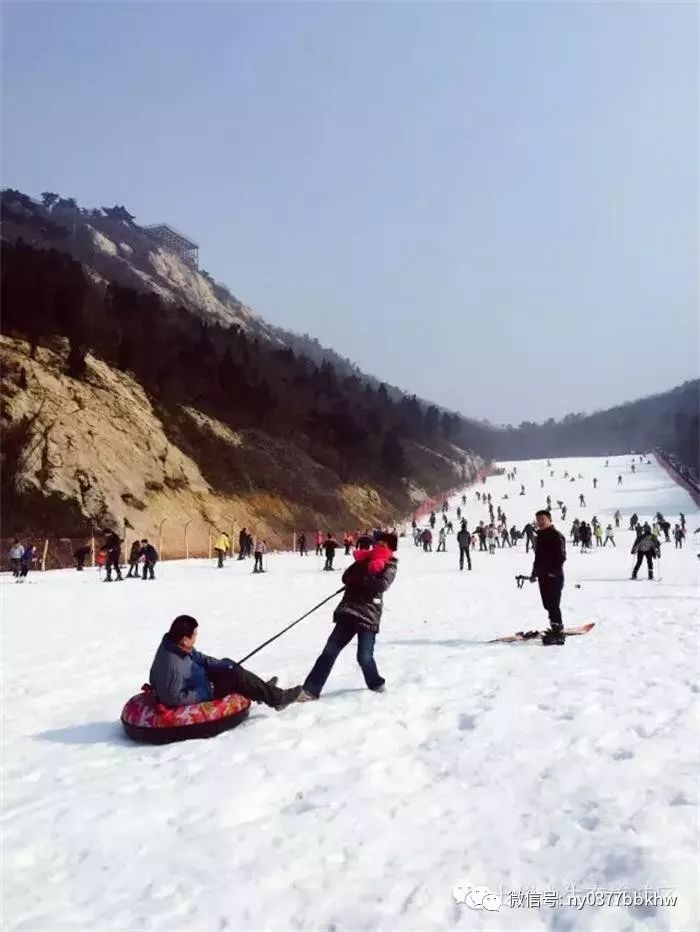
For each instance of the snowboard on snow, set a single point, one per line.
(536, 636)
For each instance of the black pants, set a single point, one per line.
(550, 591)
(442, 547)
(258, 567)
(347, 550)
(650, 563)
(482, 544)
(319, 550)
(219, 557)
(113, 564)
(679, 543)
(612, 541)
(329, 561)
(464, 553)
(16, 566)
(238, 680)
(133, 569)
(148, 571)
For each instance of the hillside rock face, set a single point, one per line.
(97, 452)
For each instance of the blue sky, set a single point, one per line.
(494, 205)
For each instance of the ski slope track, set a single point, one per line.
(509, 766)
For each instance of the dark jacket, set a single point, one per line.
(179, 678)
(464, 539)
(330, 546)
(550, 553)
(149, 553)
(529, 531)
(647, 543)
(135, 552)
(363, 601)
(112, 545)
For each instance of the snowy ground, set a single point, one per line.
(511, 766)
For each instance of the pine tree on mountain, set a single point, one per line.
(392, 455)
(48, 199)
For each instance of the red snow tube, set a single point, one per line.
(146, 719)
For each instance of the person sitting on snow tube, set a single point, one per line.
(180, 675)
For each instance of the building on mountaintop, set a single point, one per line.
(176, 242)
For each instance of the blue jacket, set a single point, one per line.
(180, 678)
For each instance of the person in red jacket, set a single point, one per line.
(359, 613)
(319, 543)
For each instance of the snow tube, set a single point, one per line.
(146, 719)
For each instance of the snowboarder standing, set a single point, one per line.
(646, 547)
(464, 541)
(548, 571)
(359, 614)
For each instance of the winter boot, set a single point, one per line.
(272, 681)
(305, 696)
(379, 689)
(288, 697)
(553, 636)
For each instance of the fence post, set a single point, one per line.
(294, 542)
(210, 543)
(160, 538)
(92, 548)
(187, 541)
(43, 559)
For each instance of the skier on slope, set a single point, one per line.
(634, 521)
(678, 536)
(576, 532)
(529, 535)
(481, 534)
(522, 489)
(358, 614)
(464, 541)
(427, 538)
(646, 547)
(619, 480)
(618, 516)
(112, 548)
(180, 675)
(442, 541)
(432, 521)
(563, 512)
(598, 534)
(16, 552)
(222, 545)
(149, 555)
(505, 537)
(582, 500)
(319, 543)
(330, 545)
(548, 571)
(609, 536)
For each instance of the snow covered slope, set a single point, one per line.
(507, 766)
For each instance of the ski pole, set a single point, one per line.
(279, 635)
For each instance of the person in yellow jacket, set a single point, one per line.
(222, 546)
